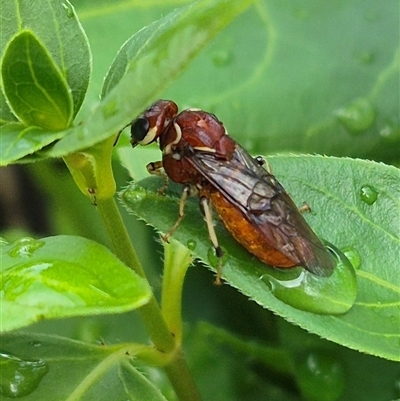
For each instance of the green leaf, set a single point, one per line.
(64, 276)
(6, 115)
(321, 369)
(166, 47)
(55, 25)
(45, 70)
(18, 141)
(282, 76)
(233, 362)
(35, 89)
(36, 367)
(367, 232)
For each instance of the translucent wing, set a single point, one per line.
(265, 203)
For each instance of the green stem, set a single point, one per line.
(177, 259)
(177, 370)
(151, 313)
(181, 379)
(275, 359)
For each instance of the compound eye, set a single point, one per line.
(139, 129)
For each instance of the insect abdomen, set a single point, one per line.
(247, 234)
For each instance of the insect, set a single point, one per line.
(253, 206)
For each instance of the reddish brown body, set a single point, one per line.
(246, 233)
(195, 127)
(252, 205)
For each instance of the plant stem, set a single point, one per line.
(181, 379)
(177, 370)
(151, 313)
(177, 259)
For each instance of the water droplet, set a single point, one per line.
(20, 377)
(397, 387)
(366, 57)
(214, 260)
(390, 133)
(191, 244)
(110, 109)
(320, 375)
(368, 194)
(134, 194)
(69, 9)
(35, 343)
(353, 256)
(357, 116)
(306, 291)
(25, 247)
(222, 58)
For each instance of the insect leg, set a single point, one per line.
(187, 191)
(206, 209)
(305, 208)
(156, 168)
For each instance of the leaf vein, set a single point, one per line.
(348, 207)
(379, 281)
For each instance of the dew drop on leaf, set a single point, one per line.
(20, 377)
(35, 343)
(390, 132)
(320, 376)
(213, 259)
(25, 247)
(191, 244)
(222, 58)
(306, 291)
(357, 116)
(397, 388)
(368, 194)
(353, 256)
(68, 9)
(135, 194)
(110, 109)
(366, 57)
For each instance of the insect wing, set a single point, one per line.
(265, 203)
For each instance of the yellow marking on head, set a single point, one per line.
(168, 148)
(149, 136)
